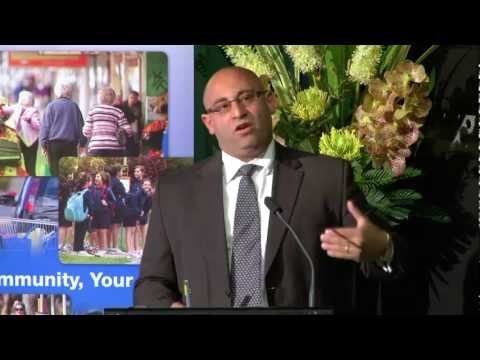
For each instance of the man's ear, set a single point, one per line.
(208, 122)
(272, 101)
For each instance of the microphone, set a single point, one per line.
(272, 205)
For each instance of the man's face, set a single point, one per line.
(132, 99)
(243, 127)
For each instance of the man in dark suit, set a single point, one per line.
(192, 232)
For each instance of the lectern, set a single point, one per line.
(218, 311)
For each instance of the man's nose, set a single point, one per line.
(239, 110)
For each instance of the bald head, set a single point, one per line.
(238, 112)
(225, 76)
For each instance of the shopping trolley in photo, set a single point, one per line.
(36, 236)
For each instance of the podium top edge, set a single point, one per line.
(217, 311)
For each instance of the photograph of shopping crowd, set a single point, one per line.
(79, 104)
(104, 207)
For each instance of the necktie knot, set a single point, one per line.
(248, 170)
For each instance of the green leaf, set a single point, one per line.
(357, 168)
(283, 84)
(321, 49)
(344, 110)
(403, 202)
(367, 186)
(388, 57)
(401, 55)
(282, 129)
(399, 213)
(332, 77)
(410, 172)
(336, 61)
(297, 75)
(379, 177)
(377, 199)
(306, 145)
(404, 194)
(427, 53)
(282, 96)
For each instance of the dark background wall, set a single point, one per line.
(445, 257)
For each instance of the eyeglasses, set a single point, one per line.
(18, 309)
(245, 98)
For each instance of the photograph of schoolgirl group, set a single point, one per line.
(104, 207)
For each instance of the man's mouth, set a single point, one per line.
(243, 127)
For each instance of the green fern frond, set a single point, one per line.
(410, 172)
(398, 213)
(404, 194)
(377, 199)
(378, 177)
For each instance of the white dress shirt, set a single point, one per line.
(263, 179)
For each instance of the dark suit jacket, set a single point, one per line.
(186, 237)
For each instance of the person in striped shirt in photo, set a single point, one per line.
(101, 126)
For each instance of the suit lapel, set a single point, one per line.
(288, 177)
(209, 198)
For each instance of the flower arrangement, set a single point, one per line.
(364, 103)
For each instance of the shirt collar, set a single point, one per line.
(232, 164)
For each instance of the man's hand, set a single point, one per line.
(177, 305)
(365, 242)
